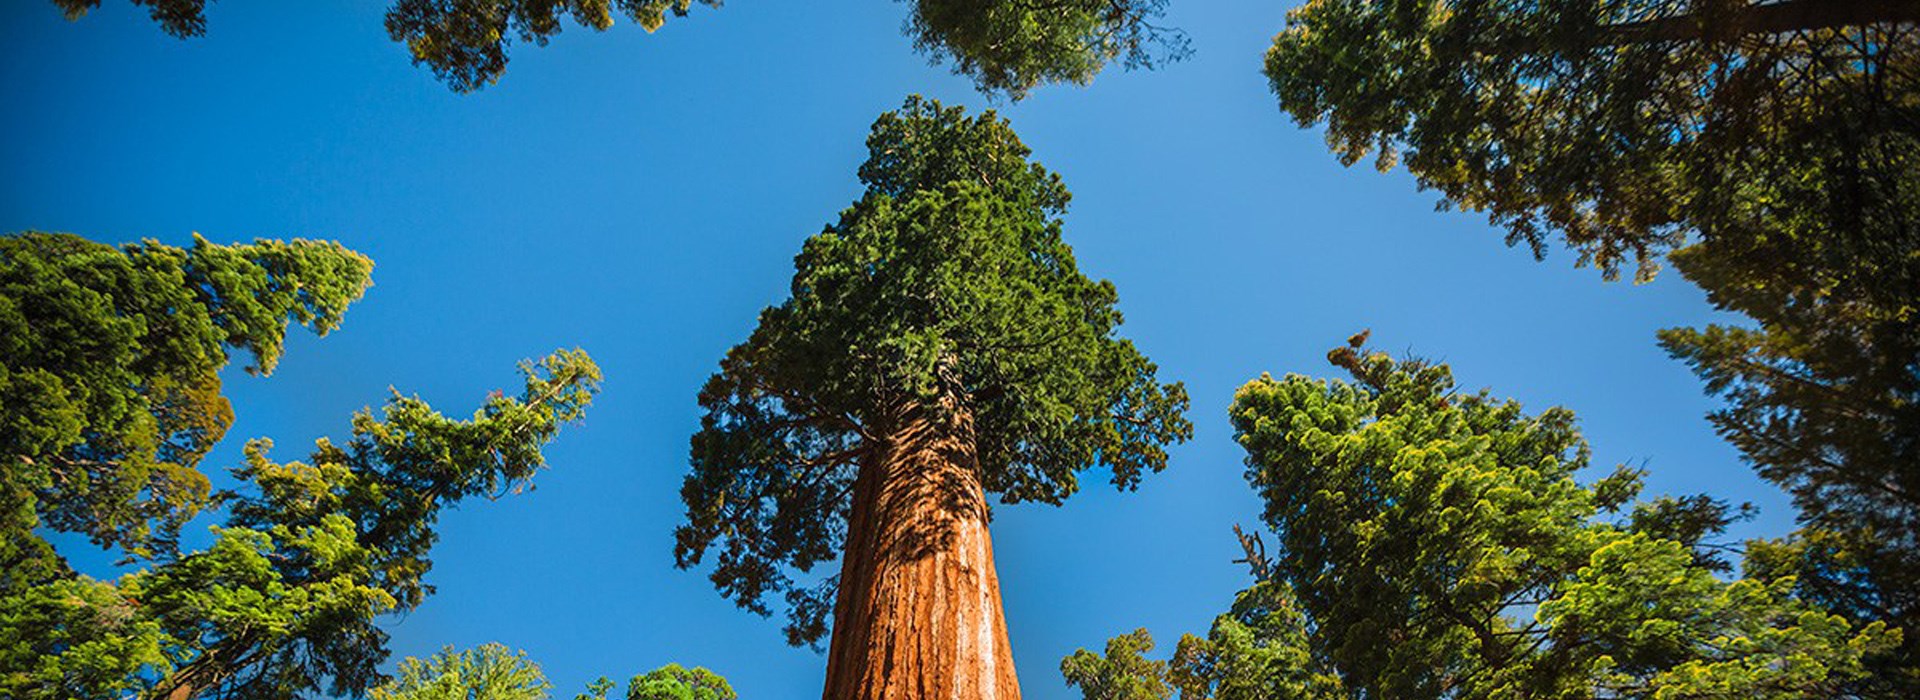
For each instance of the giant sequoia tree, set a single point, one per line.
(1772, 147)
(940, 345)
(1007, 46)
(1436, 544)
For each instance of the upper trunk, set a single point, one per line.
(918, 615)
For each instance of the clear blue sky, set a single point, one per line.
(642, 196)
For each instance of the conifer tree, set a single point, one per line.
(111, 373)
(286, 600)
(1769, 150)
(940, 345)
(109, 377)
(1436, 544)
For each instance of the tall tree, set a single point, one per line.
(1005, 46)
(1773, 148)
(286, 600)
(1409, 511)
(1436, 544)
(109, 377)
(940, 345)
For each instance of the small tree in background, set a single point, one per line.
(940, 345)
(491, 672)
(1124, 673)
(485, 672)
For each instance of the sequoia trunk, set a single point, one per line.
(918, 615)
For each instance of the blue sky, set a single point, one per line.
(642, 195)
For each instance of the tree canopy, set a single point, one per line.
(946, 286)
(485, 672)
(1436, 544)
(1770, 150)
(675, 682)
(1618, 126)
(1124, 673)
(1004, 46)
(285, 601)
(109, 374)
(1012, 46)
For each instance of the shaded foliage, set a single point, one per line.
(1012, 46)
(1618, 125)
(465, 42)
(947, 286)
(1772, 149)
(1004, 46)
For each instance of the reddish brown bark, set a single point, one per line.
(918, 615)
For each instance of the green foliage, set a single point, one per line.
(1258, 650)
(286, 600)
(1436, 544)
(181, 18)
(669, 682)
(491, 672)
(1772, 148)
(1617, 125)
(946, 287)
(672, 682)
(486, 672)
(1824, 397)
(104, 641)
(1125, 673)
(1439, 521)
(109, 387)
(1005, 46)
(1012, 47)
(465, 42)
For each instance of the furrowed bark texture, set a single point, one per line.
(918, 615)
